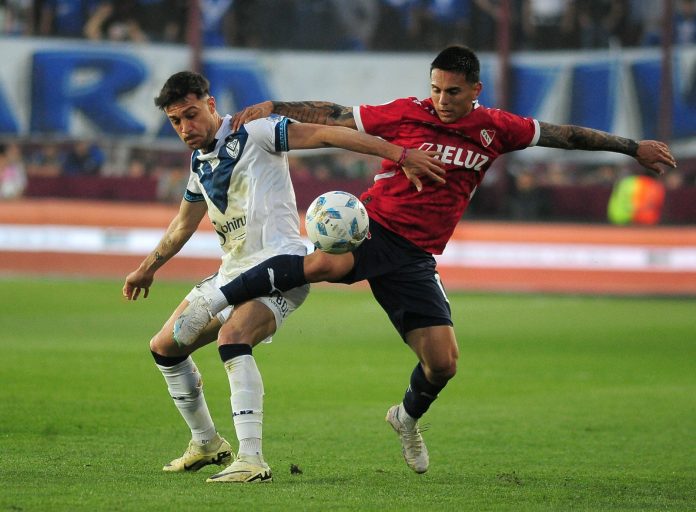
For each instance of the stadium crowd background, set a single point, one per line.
(518, 192)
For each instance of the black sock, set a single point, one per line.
(167, 361)
(420, 394)
(279, 273)
(228, 352)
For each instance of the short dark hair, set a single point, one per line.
(458, 59)
(180, 85)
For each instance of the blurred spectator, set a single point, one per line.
(649, 15)
(444, 22)
(640, 18)
(254, 23)
(547, 24)
(215, 19)
(44, 160)
(16, 17)
(684, 29)
(162, 21)
(556, 174)
(527, 200)
(171, 184)
(674, 180)
(685, 22)
(84, 158)
(598, 21)
(13, 178)
(115, 21)
(299, 168)
(487, 15)
(316, 25)
(65, 18)
(604, 174)
(357, 22)
(395, 26)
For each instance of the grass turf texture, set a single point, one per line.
(561, 403)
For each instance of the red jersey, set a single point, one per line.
(469, 146)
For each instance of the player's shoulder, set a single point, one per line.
(270, 120)
(496, 115)
(397, 104)
(265, 124)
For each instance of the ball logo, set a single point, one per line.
(487, 137)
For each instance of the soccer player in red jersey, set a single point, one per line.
(412, 217)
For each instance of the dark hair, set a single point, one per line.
(458, 59)
(180, 85)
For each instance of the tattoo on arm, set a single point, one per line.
(164, 247)
(320, 112)
(588, 139)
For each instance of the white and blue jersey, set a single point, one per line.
(246, 184)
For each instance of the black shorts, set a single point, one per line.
(403, 279)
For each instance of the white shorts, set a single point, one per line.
(281, 304)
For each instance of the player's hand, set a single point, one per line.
(652, 154)
(257, 111)
(137, 282)
(423, 164)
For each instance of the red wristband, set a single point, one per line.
(401, 159)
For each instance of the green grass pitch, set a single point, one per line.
(560, 403)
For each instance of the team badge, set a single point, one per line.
(233, 148)
(487, 137)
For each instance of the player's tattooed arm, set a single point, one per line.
(179, 231)
(163, 252)
(651, 154)
(319, 112)
(140, 280)
(588, 139)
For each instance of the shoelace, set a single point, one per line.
(413, 439)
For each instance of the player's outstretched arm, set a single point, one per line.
(179, 231)
(313, 136)
(651, 154)
(317, 112)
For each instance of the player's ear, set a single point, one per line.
(477, 89)
(211, 104)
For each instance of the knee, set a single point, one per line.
(163, 344)
(441, 371)
(231, 334)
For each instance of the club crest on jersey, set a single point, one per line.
(487, 137)
(233, 148)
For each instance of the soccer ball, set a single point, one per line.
(336, 222)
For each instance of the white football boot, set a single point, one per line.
(412, 446)
(217, 451)
(246, 469)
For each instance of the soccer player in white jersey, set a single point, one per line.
(241, 180)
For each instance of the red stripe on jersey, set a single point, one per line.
(468, 148)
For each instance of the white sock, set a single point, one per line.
(406, 419)
(246, 397)
(185, 386)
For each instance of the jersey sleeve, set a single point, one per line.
(270, 133)
(381, 120)
(518, 132)
(193, 192)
